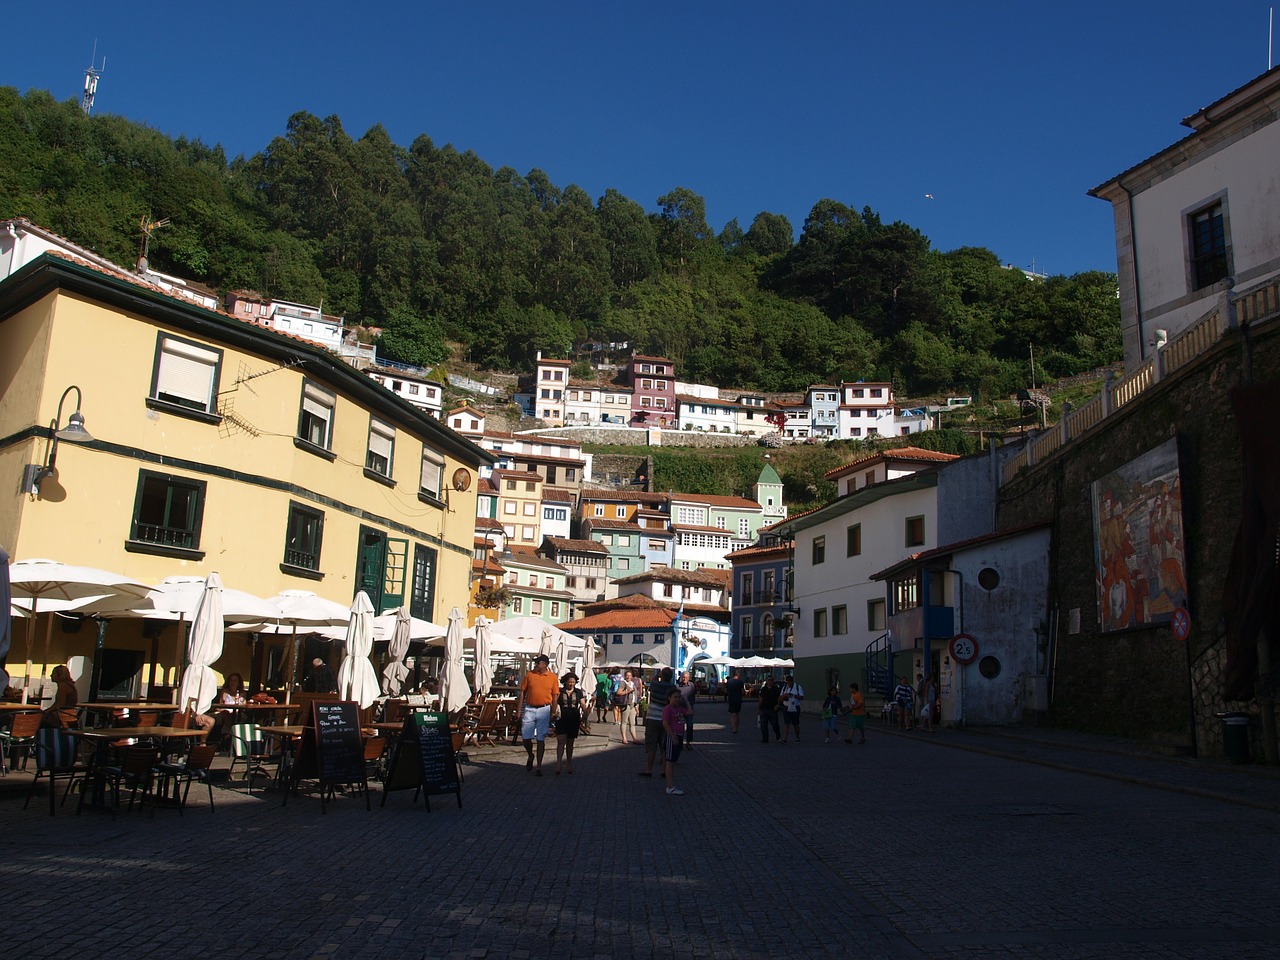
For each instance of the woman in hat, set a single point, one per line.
(569, 720)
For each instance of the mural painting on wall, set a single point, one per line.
(1138, 547)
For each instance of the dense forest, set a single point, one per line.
(436, 248)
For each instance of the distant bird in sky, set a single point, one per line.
(928, 196)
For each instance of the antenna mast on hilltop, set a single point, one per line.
(91, 81)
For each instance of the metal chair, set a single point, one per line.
(181, 773)
(56, 756)
(248, 746)
(21, 735)
(136, 771)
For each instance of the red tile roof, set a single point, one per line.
(912, 454)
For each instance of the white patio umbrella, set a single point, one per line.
(454, 689)
(531, 629)
(204, 646)
(50, 580)
(484, 669)
(546, 643)
(588, 659)
(395, 672)
(6, 618)
(562, 656)
(356, 679)
(302, 608)
(177, 598)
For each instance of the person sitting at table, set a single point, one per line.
(320, 679)
(232, 695)
(62, 712)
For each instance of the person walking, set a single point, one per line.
(538, 692)
(602, 695)
(688, 690)
(659, 692)
(831, 710)
(637, 695)
(792, 694)
(921, 700)
(929, 709)
(902, 699)
(621, 703)
(857, 714)
(569, 718)
(674, 715)
(734, 689)
(768, 706)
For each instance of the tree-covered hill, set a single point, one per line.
(433, 246)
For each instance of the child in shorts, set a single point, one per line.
(831, 710)
(673, 715)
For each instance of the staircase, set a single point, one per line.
(879, 680)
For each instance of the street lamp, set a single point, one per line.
(34, 474)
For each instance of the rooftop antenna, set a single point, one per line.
(91, 80)
(149, 226)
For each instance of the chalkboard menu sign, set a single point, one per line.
(424, 759)
(332, 749)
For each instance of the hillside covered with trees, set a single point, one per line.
(436, 247)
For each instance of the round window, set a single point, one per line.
(988, 579)
(989, 667)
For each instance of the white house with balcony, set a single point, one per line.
(299, 319)
(866, 409)
(1198, 219)
(706, 414)
(422, 392)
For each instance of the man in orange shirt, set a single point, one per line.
(857, 714)
(538, 692)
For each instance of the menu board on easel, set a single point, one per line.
(424, 759)
(332, 749)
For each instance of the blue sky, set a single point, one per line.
(1007, 113)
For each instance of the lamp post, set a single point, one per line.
(35, 474)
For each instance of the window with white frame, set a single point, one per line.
(186, 374)
(315, 422)
(429, 479)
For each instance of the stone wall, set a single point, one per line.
(1143, 682)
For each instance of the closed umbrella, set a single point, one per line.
(562, 656)
(454, 689)
(6, 618)
(484, 669)
(589, 658)
(395, 672)
(547, 644)
(356, 679)
(41, 580)
(204, 646)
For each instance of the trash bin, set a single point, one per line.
(1235, 737)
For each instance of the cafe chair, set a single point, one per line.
(21, 735)
(56, 756)
(180, 774)
(248, 746)
(136, 771)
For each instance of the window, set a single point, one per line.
(432, 472)
(555, 609)
(819, 550)
(620, 512)
(906, 593)
(839, 620)
(185, 375)
(509, 507)
(536, 608)
(599, 510)
(315, 424)
(413, 389)
(868, 478)
(303, 534)
(667, 590)
(624, 563)
(422, 587)
(877, 392)
(530, 508)
(616, 638)
(517, 605)
(637, 638)
(875, 615)
(167, 513)
(915, 531)
(748, 582)
(624, 540)
(1207, 239)
(526, 532)
(853, 541)
(820, 622)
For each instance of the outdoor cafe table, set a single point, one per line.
(287, 734)
(6, 708)
(102, 736)
(130, 705)
(252, 711)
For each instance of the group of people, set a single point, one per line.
(919, 705)
(621, 693)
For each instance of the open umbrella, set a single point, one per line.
(356, 679)
(204, 646)
(302, 608)
(41, 580)
(454, 689)
(484, 669)
(395, 672)
(6, 618)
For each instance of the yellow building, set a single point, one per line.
(218, 445)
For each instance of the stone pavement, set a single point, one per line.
(955, 844)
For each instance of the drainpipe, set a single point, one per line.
(1137, 284)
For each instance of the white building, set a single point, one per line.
(866, 409)
(1199, 217)
(299, 319)
(418, 390)
(706, 414)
